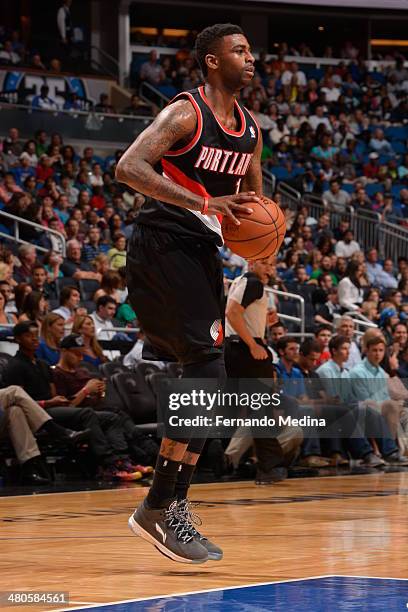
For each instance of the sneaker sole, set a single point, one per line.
(215, 556)
(139, 531)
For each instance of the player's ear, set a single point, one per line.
(212, 61)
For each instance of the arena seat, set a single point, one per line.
(137, 397)
(110, 368)
(4, 359)
(87, 288)
(64, 282)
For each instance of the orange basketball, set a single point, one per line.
(260, 234)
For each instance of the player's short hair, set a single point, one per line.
(207, 41)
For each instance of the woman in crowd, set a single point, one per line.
(52, 332)
(117, 255)
(6, 318)
(109, 286)
(93, 353)
(351, 293)
(52, 262)
(35, 307)
(101, 264)
(20, 293)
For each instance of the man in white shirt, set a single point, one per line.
(331, 92)
(336, 198)
(318, 118)
(346, 327)
(373, 268)
(8, 54)
(293, 74)
(102, 317)
(347, 246)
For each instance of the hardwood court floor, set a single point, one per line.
(80, 542)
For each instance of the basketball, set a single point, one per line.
(260, 234)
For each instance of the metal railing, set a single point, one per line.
(392, 240)
(150, 94)
(360, 321)
(104, 62)
(301, 319)
(17, 221)
(268, 183)
(289, 197)
(369, 230)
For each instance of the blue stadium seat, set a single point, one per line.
(377, 76)
(396, 133)
(373, 188)
(399, 147)
(280, 173)
(347, 187)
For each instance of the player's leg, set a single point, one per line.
(213, 369)
(158, 520)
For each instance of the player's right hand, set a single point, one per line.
(258, 352)
(225, 205)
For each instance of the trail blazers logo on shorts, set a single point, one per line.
(217, 333)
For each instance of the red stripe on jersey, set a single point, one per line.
(199, 129)
(226, 130)
(177, 176)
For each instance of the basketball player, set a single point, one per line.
(198, 160)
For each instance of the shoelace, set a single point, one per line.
(185, 510)
(177, 522)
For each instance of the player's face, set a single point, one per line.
(235, 61)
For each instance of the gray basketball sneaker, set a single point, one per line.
(169, 532)
(185, 510)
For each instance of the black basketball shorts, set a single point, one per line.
(176, 289)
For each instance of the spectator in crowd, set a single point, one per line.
(69, 303)
(323, 335)
(337, 199)
(351, 292)
(23, 419)
(51, 334)
(74, 266)
(103, 317)
(94, 246)
(34, 308)
(27, 257)
(369, 386)
(43, 100)
(139, 107)
(330, 310)
(117, 255)
(346, 327)
(8, 56)
(110, 285)
(379, 144)
(92, 350)
(151, 71)
(103, 105)
(336, 382)
(38, 383)
(347, 246)
(87, 389)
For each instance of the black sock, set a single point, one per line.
(184, 476)
(164, 482)
(53, 429)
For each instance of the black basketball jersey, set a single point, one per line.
(212, 164)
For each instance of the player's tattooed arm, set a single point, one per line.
(253, 178)
(175, 125)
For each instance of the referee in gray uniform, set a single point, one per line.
(247, 356)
